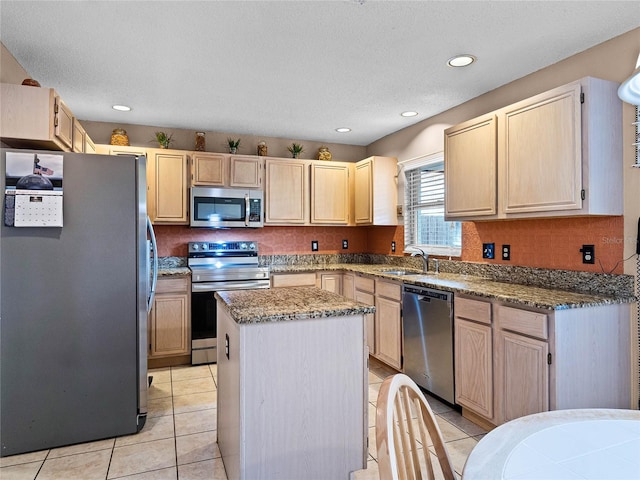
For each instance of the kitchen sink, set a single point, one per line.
(398, 272)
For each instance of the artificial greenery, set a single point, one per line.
(233, 144)
(163, 139)
(295, 149)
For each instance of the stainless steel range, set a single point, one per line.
(218, 266)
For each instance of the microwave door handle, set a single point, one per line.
(247, 209)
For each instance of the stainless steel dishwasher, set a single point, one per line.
(427, 323)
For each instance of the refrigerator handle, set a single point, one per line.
(154, 281)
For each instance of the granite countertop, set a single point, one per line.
(173, 271)
(537, 297)
(282, 304)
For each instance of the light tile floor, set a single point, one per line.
(178, 441)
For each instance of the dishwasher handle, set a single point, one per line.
(428, 293)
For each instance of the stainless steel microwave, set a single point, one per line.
(226, 207)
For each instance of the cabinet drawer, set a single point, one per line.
(389, 290)
(475, 310)
(293, 280)
(172, 285)
(529, 323)
(365, 284)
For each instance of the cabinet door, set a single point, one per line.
(348, 285)
(63, 123)
(209, 169)
(470, 154)
(170, 325)
(474, 366)
(388, 332)
(287, 192)
(329, 193)
(167, 180)
(245, 171)
(279, 280)
(331, 282)
(364, 192)
(78, 137)
(523, 384)
(369, 318)
(541, 152)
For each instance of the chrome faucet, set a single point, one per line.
(425, 259)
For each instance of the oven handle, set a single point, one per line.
(247, 209)
(213, 287)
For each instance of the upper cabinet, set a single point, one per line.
(330, 193)
(557, 153)
(35, 117)
(223, 170)
(376, 191)
(82, 143)
(287, 193)
(167, 191)
(470, 153)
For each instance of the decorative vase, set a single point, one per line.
(324, 153)
(295, 154)
(233, 150)
(262, 149)
(119, 137)
(200, 142)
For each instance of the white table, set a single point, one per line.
(562, 444)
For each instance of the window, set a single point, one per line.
(424, 224)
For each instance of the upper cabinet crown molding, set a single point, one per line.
(558, 153)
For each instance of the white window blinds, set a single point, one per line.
(424, 212)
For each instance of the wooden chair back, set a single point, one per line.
(404, 425)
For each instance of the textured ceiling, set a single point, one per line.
(295, 69)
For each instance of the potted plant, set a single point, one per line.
(296, 149)
(233, 145)
(163, 139)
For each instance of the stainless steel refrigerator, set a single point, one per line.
(74, 302)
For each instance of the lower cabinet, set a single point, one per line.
(473, 356)
(306, 279)
(365, 293)
(388, 322)
(511, 362)
(349, 286)
(170, 318)
(330, 281)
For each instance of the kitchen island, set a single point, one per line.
(292, 384)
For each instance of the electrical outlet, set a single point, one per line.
(393, 247)
(506, 252)
(488, 250)
(588, 253)
(345, 244)
(314, 245)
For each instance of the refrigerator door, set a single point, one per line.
(72, 322)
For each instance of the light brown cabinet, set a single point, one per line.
(82, 143)
(208, 169)
(365, 293)
(473, 355)
(305, 279)
(349, 286)
(330, 281)
(167, 194)
(330, 193)
(245, 171)
(557, 153)
(388, 322)
(470, 152)
(170, 318)
(513, 361)
(376, 191)
(33, 117)
(224, 170)
(287, 194)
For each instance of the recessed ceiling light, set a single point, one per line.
(461, 60)
(343, 130)
(121, 108)
(409, 114)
